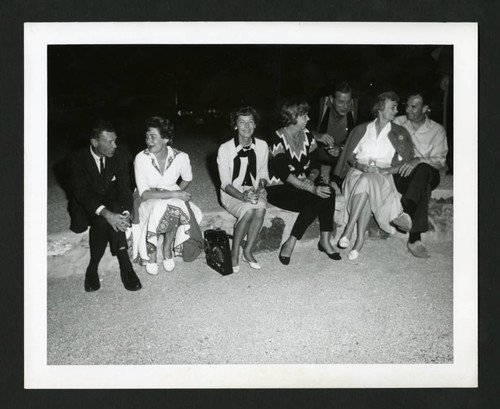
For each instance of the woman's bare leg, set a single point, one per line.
(324, 239)
(257, 219)
(240, 231)
(167, 244)
(357, 205)
(288, 246)
(363, 220)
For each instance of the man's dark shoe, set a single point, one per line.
(92, 282)
(130, 280)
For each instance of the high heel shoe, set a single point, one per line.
(343, 243)
(333, 256)
(252, 264)
(284, 260)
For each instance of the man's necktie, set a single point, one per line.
(101, 167)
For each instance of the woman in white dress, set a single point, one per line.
(242, 163)
(373, 152)
(164, 207)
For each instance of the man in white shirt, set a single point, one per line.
(417, 178)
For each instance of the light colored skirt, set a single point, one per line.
(383, 197)
(158, 216)
(237, 207)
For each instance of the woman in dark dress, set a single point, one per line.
(293, 168)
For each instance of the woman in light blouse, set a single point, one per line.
(165, 208)
(373, 152)
(242, 163)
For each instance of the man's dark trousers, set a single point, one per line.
(417, 188)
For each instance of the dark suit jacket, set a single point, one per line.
(89, 190)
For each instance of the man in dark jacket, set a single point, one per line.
(101, 198)
(332, 119)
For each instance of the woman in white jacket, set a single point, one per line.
(242, 163)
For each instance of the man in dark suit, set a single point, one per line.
(332, 119)
(102, 199)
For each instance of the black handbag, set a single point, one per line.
(217, 251)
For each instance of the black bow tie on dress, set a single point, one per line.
(249, 153)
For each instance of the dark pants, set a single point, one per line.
(100, 234)
(325, 159)
(306, 204)
(417, 187)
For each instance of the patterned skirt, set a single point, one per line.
(159, 216)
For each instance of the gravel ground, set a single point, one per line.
(314, 311)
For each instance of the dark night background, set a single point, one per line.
(197, 85)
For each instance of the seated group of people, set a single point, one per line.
(387, 169)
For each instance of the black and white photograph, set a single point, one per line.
(245, 205)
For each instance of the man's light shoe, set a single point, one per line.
(418, 249)
(403, 221)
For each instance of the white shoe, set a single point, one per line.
(168, 264)
(343, 243)
(152, 268)
(252, 264)
(236, 269)
(353, 255)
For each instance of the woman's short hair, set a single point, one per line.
(291, 110)
(380, 101)
(243, 111)
(164, 126)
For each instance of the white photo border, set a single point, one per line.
(462, 373)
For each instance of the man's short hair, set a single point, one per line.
(424, 96)
(99, 126)
(341, 86)
(380, 101)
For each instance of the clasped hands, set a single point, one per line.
(252, 195)
(406, 168)
(365, 168)
(321, 191)
(175, 194)
(119, 222)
